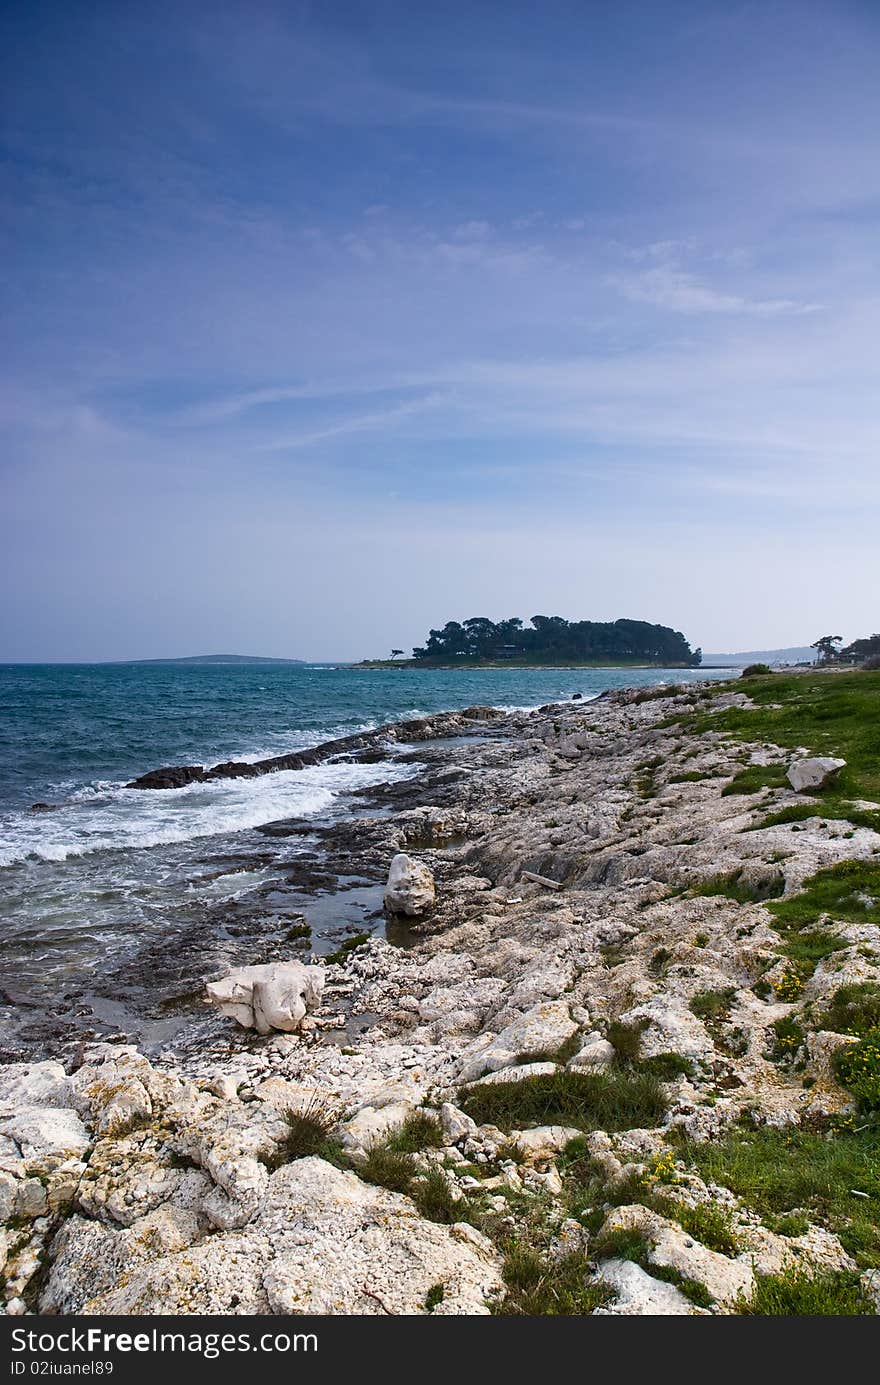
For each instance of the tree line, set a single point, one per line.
(554, 638)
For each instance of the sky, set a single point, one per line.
(323, 324)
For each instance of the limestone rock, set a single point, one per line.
(595, 1052)
(638, 1294)
(410, 889)
(814, 773)
(34, 1084)
(674, 1249)
(455, 1124)
(321, 1242)
(542, 1030)
(275, 995)
(43, 1133)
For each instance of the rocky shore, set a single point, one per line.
(542, 1103)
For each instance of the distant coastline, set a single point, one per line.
(213, 659)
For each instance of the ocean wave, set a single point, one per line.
(111, 817)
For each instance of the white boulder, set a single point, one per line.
(276, 995)
(638, 1294)
(815, 773)
(410, 889)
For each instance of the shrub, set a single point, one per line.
(388, 1168)
(788, 1035)
(309, 1132)
(756, 670)
(789, 986)
(854, 1009)
(712, 1005)
(421, 1130)
(859, 1070)
(433, 1197)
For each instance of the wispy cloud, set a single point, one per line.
(678, 292)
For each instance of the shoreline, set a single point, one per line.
(166, 1175)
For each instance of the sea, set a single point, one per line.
(98, 884)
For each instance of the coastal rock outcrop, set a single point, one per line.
(410, 889)
(276, 995)
(321, 1242)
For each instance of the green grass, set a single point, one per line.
(713, 1006)
(755, 778)
(732, 886)
(854, 1009)
(797, 1171)
(826, 714)
(788, 1035)
(628, 1243)
(421, 1130)
(848, 893)
(309, 1132)
(434, 1297)
(614, 1100)
(801, 1293)
(806, 950)
(341, 953)
(858, 1068)
(433, 1197)
(388, 1168)
(539, 1286)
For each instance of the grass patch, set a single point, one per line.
(421, 1130)
(434, 1297)
(693, 776)
(755, 778)
(733, 886)
(828, 714)
(388, 1168)
(798, 1171)
(309, 1132)
(433, 1197)
(539, 1286)
(713, 1006)
(800, 1293)
(854, 1009)
(710, 1224)
(858, 1068)
(788, 1036)
(848, 893)
(348, 946)
(628, 1243)
(615, 1100)
(806, 950)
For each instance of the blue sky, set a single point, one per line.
(323, 324)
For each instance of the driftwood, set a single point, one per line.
(542, 880)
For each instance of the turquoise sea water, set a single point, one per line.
(109, 870)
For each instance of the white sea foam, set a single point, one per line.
(108, 817)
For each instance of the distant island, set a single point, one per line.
(216, 659)
(548, 641)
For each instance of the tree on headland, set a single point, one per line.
(825, 648)
(395, 652)
(557, 639)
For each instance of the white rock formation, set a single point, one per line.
(815, 773)
(321, 1241)
(410, 889)
(638, 1294)
(276, 995)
